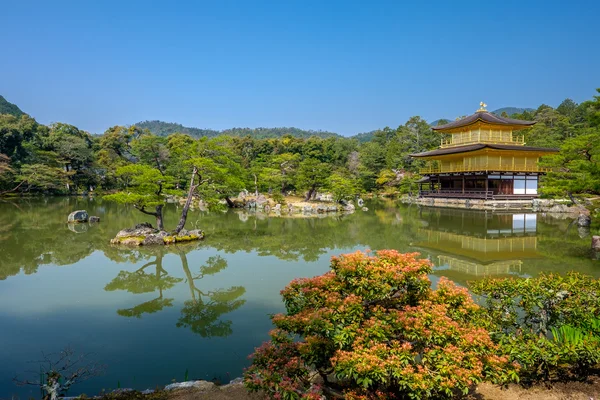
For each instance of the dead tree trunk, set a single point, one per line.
(188, 202)
(310, 193)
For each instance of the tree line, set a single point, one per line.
(63, 159)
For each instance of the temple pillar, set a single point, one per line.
(486, 187)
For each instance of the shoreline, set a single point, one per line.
(235, 390)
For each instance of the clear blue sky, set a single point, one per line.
(344, 66)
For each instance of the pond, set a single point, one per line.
(153, 315)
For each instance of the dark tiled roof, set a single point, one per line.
(479, 146)
(485, 117)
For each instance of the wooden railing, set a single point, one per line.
(484, 168)
(487, 138)
(474, 194)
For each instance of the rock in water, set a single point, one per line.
(142, 229)
(596, 243)
(261, 199)
(584, 220)
(78, 216)
(199, 385)
(94, 219)
(144, 235)
(154, 238)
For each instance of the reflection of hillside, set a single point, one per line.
(34, 232)
(307, 239)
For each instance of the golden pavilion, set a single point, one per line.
(484, 157)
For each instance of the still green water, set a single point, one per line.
(150, 314)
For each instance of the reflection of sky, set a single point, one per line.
(68, 305)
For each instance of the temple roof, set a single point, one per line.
(484, 117)
(479, 146)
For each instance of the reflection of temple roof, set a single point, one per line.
(507, 267)
(481, 250)
(487, 118)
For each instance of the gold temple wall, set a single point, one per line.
(490, 161)
(482, 135)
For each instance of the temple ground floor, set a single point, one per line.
(494, 186)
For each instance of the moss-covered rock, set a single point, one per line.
(145, 235)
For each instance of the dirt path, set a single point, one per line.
(559, 391)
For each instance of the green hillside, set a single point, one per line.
(511, 110)
(363, 137)
(166, 128)
(9, 108)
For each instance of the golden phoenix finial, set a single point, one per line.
(482, 106)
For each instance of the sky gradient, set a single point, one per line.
(343, 66)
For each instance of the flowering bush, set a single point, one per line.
(372, 328)
(550, 325)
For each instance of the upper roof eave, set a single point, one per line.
(486, 118)
(474, 147)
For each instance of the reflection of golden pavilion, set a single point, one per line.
(479, 243)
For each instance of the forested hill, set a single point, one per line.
(161, 128)
(512, 110)
(9, 108)
(364, 137)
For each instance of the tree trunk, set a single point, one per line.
(229, 202)
(188, 202)
(159, 218)
(255, 186)
(309, 194)
(13, 189)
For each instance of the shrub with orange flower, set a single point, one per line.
(373, 328)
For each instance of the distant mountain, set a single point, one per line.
(161, 128)
(511, 110)
(363, 137)
(166, 128)
(508, 110)
(9, 108)
(437, 121)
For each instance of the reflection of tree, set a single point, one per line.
(142, 282)
(202, 314)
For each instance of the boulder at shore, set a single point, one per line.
(77, 217)
(145, 235)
